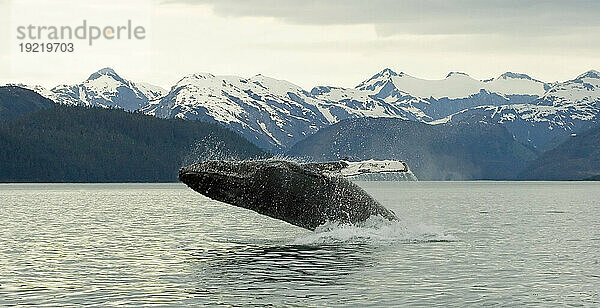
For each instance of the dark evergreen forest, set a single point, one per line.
(78, 144)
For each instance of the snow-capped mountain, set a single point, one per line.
(537, 113)
(455, 85)
(271, 113)
(565, 108)
(338, 104)
(275, 114)
(105, 88)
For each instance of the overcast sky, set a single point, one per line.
(314, 42)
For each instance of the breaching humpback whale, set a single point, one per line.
(305, 195)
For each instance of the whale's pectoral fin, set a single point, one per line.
(331, 167)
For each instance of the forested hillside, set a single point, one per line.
(77, 144)
(16, 101)
(578, 158)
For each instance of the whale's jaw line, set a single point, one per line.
(214, 185)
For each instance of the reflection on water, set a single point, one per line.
(478, 244)
(253, 264)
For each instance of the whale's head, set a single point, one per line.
(225, 181)
(235, 182)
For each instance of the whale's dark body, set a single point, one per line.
(299, 194)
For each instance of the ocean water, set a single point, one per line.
(458, 244)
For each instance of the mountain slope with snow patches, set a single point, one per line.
(269, 112)
(276, 114)
(105, 88)
(564, 109)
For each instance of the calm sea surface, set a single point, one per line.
(460, 243)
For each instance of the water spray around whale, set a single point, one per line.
(306, 195)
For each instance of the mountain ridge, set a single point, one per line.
(275, 114)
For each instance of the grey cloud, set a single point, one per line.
(464, 44)
(544, 17)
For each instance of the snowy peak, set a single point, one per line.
(580, 93)
(105, 88)
(107, 76)
(511, 83)
(382, 85)
(321, 90)
(589, 74)
(457, 74)
(200, 76)
(258, 84)
(378, 80)
(107, 71)
(106, 80)
(511, 75)
(277, 86)
(455, 85)
(259, 87)
(386, 73)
